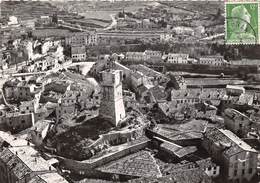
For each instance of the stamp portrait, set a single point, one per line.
(242, 23)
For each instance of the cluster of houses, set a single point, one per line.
(149, 127)
(147, 91)
(176, 58)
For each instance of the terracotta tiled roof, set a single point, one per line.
(230, 142)
(187, 176)
(206, 94)
(177, 150)
(140, 164)
(18, 168)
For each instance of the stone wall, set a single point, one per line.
(84, 167)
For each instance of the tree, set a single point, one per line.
(55, 18)
(121, 15)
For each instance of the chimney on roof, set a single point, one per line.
(16, 153)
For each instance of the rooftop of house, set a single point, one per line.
(189, 130)
(212, 56)
(198, 93)
(50, 32)
(25, 159)
(232, 113)
(235, 87)
(145, 70)
(152, 51)
(158, 92)
(135, 53)
(178, 54)
(78, 50)
(229, 141)
(141, 164)
(15, 114)
(177, 150)
(194, 175)
(82, 34)
(242, 99)
(12, 140)
(137, 74)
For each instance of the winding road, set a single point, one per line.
(113, 24)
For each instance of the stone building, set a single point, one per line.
(21, 90)
(78, 53)
(237, 122)
(39, 131)
(153, 55)
(212, 60)
(165, 37)
(16, 121)
(20, 162)
(136, 56)
(177, 58)
(82, 39)
(112, 105)
(235, 90)
(237, 159)
(66, 105)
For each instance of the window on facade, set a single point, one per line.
(235, 172)
(243, 172)
(244, 163)
(236, 165)
(214, 172)
(250, 170)
(209, 168)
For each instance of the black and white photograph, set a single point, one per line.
(131, 91)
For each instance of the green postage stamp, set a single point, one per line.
(242, 22)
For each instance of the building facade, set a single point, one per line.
(78, 53)
(136, 56)
(237, 159)
(177, 58)
(112, 105)
(237, 122)
(82, 39)
(212, 60)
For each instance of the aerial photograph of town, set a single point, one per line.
(132, 91)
